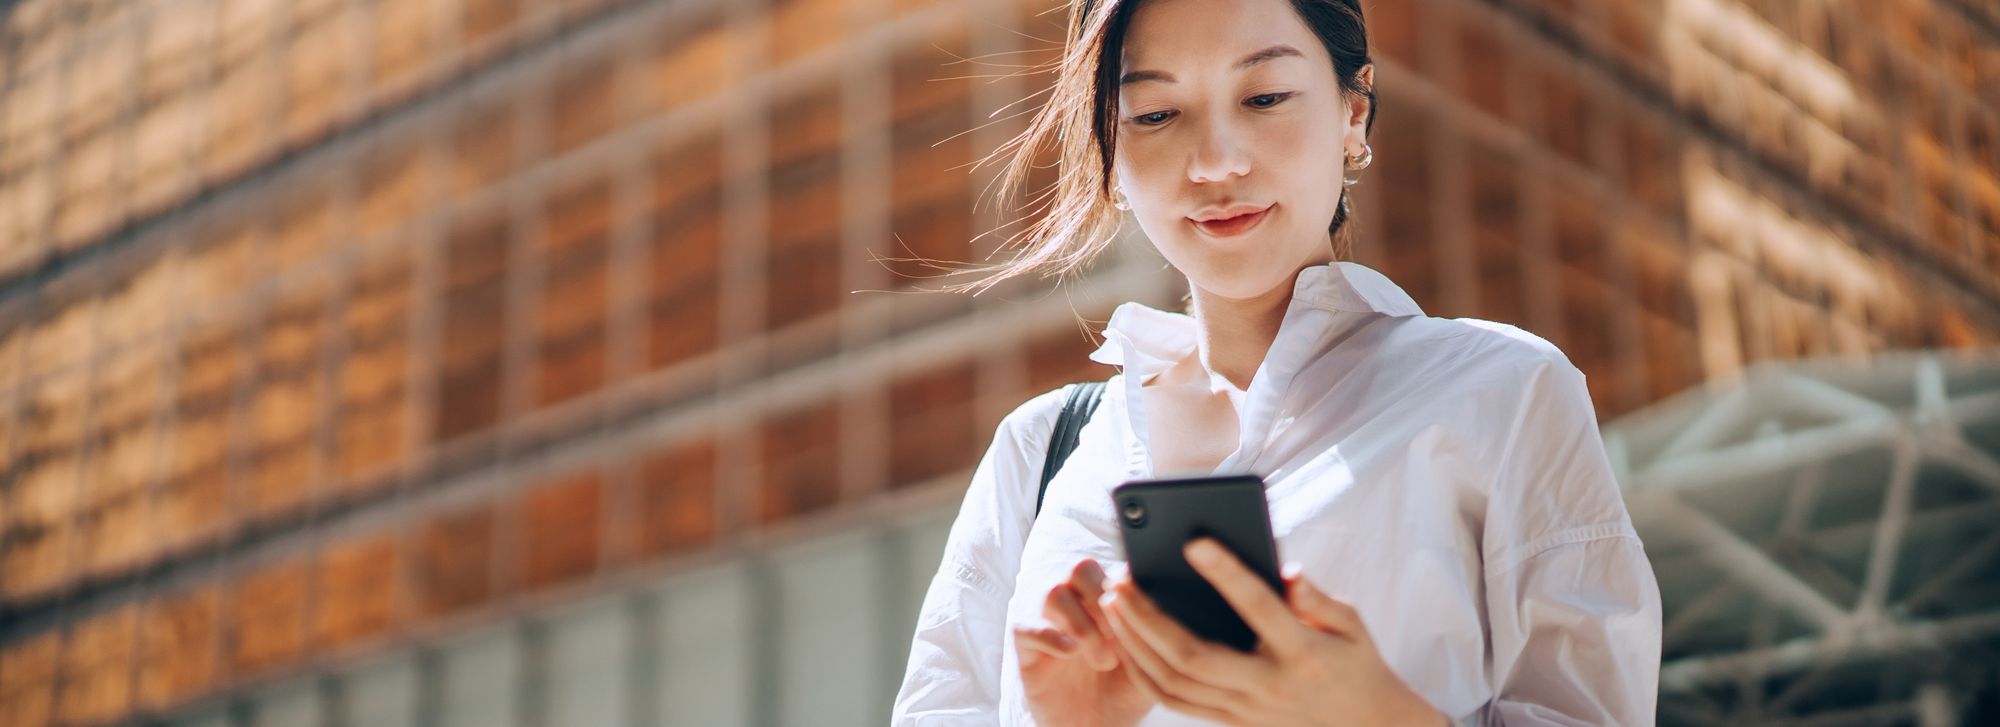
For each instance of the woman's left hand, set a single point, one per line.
(1314, 663)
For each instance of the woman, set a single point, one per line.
(1458, 549)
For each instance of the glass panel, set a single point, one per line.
(919, 549)
(589, 662)
(478, 681)
(208, 717)
(705, 649)
(295, 705)
(382, 694)
(829, 600)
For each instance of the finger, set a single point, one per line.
(1292, 572)
(1180, 650)
(1158, 681)
(1088, 579)
(1294, 577)
(1153, 691)
(1063, 608)
(1044, 640)
(1326, 612)
(1137, 673)
(1262, 608)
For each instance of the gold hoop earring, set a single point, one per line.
(1359, 162)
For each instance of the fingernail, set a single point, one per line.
(1202, 551)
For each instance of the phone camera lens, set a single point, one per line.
(1135, 513)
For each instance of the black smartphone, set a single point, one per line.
(1159, 517)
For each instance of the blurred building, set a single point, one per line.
(500, 362)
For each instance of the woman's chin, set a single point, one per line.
(1238, 284)
(1235, 276)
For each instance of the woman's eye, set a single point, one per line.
(1266, 101)
(1262, 101)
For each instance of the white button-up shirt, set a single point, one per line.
(1443, 476)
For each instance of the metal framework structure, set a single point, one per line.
(1823, 537)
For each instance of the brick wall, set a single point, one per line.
(326, 324)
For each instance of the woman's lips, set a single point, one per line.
(1232, 226)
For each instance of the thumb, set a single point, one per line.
(1322, 611)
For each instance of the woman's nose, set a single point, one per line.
(1218, 155)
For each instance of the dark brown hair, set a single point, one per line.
(1079, 125)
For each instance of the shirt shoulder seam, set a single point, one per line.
(968, 576)
(1517, 555)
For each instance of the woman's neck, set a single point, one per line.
(1234, 334)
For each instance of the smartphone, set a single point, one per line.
(1157, 519)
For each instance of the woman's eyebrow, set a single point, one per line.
(1276, 51)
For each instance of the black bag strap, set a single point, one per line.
(1082, 402)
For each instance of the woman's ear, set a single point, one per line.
(1359, 107)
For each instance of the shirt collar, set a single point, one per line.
(1144, 340)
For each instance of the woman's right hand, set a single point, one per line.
(1071, 673)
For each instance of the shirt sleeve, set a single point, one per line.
(1572, 604)
(953, 676)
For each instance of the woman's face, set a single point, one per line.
(1231, 140)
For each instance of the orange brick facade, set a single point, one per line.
(327, 323)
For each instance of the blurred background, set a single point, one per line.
(494, 362)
